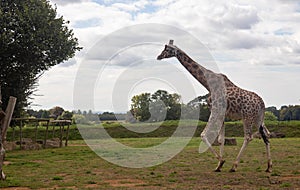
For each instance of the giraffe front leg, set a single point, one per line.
(221, 140)
(221, 162)
(213, 130)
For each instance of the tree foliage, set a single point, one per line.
(286, 113)
(66, 115)
(32, 39)
(198, 108)
(110, 116)
(290, 112)
(84, 117)
(169, 102)
(269, 116)
(140, 106)
(161, 106)
(38, 114)
(273, 110)
(56, 112)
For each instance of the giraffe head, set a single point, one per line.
(169, 51)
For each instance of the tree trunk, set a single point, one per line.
(5, 119)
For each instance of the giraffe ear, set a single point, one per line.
(171, 42)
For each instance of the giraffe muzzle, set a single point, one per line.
(159, 57)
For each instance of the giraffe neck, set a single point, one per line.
(199, 72)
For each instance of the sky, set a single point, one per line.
(255, 43)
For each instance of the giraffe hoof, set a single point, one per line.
(268, 170)
(232, 170)
(221, 163)
(217, 170)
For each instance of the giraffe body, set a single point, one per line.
(225, 96)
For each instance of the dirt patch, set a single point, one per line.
(125, 182)
(290, 177)
(16, 188)
(58, 187)
(7, 163)
(37, 161)
(92, 186)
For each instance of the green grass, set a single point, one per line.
(165, 129)
(76, 166)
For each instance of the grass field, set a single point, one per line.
(165, 129)
(77, 167)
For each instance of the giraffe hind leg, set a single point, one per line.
(247, 139)
(264, 134)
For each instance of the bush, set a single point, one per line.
(269, 116)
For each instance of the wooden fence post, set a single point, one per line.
(4, 124)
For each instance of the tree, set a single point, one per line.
(56, 112)
(79, 119)
(290, 112)
(66, 115)
(158, 111)
(92, 117)
(171, 102)
(269, 116)
(158, 106)
(107, 116)
(286, 113)
(204, 112)
(199, 104)
(140, 106)
(32, 39)
(274, 110)
(45, 114)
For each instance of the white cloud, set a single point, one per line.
(242, 35)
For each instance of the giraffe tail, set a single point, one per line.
(264, 132)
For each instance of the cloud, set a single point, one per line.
(68, 63)
(252, 41)
(100, 18)
(231, 25)
(234, 16)
(133, 6)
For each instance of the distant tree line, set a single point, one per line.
(161, 106)
(79, 117)
(285, 113)
(110, 116)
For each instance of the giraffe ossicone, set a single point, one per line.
(225, 100)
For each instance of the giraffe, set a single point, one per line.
(238, 104)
